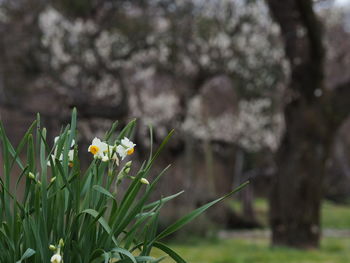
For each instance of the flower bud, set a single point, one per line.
(61, 243)
(127, 170)
(52, 247)
(144, 181)
(31, 176)
(128, 164)
(115, 159)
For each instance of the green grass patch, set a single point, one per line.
(258, 250)
(334, 216)
(333, 250)
(260, 207)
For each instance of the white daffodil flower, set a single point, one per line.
(70, 157)
(58, 137)
(103, 151)
(125, 148)
(98, 148)
(56, 258)
(70, 153)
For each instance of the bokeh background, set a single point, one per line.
(255, 90)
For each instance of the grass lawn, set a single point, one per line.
(333, 250)
(257, 250)
(334, 216)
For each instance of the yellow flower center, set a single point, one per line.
(130, 151)
(94, 149)
(70, 164)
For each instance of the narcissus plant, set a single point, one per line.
(68, 214)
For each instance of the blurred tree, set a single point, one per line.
(312, 114)
(204, 67)
(154, 60)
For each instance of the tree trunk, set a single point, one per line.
(312, 115)
(297, 187)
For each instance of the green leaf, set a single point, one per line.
(163, 200)
(155, 156)
(102, 190)
(27, 254)
(130, 234)
(126, 253)
(21, 145)
(170, 252)
(126, 132)
(151, 141)
(138, 207)
(102, 222)
(195, 213)
(111, 131)
(139, 259)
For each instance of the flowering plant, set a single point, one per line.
(70, 215)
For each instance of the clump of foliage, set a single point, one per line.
(68, 214)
